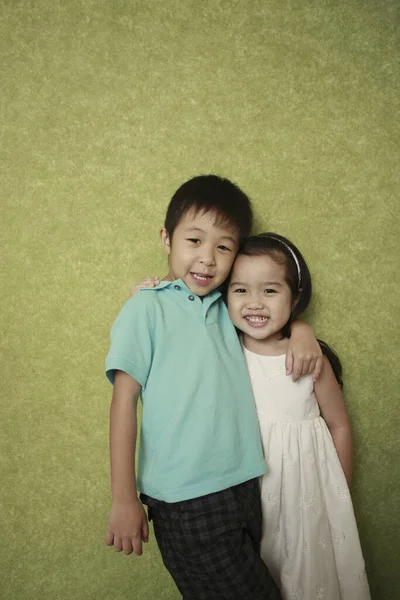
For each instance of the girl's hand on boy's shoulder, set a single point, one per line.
(304, 354)
(149, 282)
(127, 527)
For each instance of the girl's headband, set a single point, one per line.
(294, 257)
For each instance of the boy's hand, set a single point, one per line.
(127, 527)
(304, 354)
(149, 282)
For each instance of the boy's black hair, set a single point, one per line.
(211, 193)
(298, 278)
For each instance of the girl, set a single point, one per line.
(310, 541)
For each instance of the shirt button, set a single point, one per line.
(191, 298)
(177, 287)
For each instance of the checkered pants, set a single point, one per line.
(211, 545)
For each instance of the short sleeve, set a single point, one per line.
(132, 340)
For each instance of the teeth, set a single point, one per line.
(200, 277)
(256, 319)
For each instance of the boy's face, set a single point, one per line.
(200, 252)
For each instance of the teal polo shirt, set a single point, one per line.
(200, 432)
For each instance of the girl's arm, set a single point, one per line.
(149, 282)
(304, 354)
(333, 410)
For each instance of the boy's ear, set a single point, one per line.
(165, 241)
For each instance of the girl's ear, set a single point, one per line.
(165, 241)
(296, 300)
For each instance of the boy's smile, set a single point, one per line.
(201, 278)
(201, 252)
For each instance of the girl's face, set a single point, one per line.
(259, 298)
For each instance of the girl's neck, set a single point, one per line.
(268, 347)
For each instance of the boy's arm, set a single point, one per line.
(304, 354)
(127, 526)
(333, 410)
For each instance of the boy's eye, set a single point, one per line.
(239, 291)
(225, 248)
(269, 291)
(194, 240)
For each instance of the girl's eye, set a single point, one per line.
(269, 291)
(194, 240)
(225, 248)
(239, 291)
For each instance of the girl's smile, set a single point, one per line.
(256, 320)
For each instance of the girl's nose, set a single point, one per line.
(255, 304)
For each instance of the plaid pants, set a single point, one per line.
(211, 545)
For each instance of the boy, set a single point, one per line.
(200, 451)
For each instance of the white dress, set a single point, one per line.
(310, 540)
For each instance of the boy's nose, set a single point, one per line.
(208, 260)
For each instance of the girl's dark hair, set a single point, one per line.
(334, 361)
(211, 193)
(298, 278)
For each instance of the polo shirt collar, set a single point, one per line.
(178, 286)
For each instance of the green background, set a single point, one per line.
(106, 108)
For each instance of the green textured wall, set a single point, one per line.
(106, 107)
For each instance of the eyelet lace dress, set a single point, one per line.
(310, 540)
